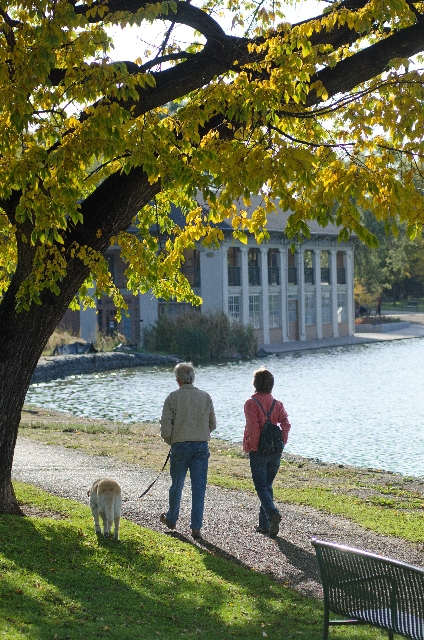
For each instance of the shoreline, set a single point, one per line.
(39, 423)
(55, 367)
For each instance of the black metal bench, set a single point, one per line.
(371, 589)
(411, 305)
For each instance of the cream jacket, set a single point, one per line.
(187, 415)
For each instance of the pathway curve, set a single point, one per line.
(230, 516)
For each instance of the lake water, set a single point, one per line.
(361, 405)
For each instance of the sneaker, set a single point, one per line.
(274, 524)
(260, 530)
(166, 522)
(196, 534)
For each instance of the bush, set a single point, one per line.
(108, 343)
(376, 320)
(196, 336)
(58, 338)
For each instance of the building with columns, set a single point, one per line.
(285, 296)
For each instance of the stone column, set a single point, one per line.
(225, 279)
(284, 287)
(245, 285)
(334, 305)
(265, 297)
(350, 299)
(301, 285)
(318, 300)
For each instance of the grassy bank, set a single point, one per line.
(383, 502)
(59, 581)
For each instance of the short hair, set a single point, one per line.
(263, 380)
(184, 372)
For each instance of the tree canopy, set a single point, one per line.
(322, 117)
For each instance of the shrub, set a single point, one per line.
(108, 343)
(58, 338)
(196, 336)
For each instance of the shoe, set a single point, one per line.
(166, 522)
(274, 524)
(260, 530)
(196, 534)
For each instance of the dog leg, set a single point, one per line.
(116, 529)
(106, 528)
(117, 515)
(95, 512)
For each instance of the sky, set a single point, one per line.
(130, 43)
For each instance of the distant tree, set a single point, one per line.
(326, 111)
(388, 268)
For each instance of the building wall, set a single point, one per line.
(275, 336)
(311, 332)
(211, 277)
(70, 322)
(327, 330)
(314, 283)
(343, 329)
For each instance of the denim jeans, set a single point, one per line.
(193, 456)
(264, 468)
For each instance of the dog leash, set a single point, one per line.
(151, 485)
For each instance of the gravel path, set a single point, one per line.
(230, 516)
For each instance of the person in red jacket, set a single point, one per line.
(264, 467)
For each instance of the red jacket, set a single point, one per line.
(255, 420)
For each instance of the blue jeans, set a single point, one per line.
(185, 456)
(264, 468)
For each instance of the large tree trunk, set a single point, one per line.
(21, 346)
(23, 335)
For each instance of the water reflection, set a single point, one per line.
(361, 405)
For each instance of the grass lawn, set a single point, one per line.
(384, 502)
(60, 581)
(402, 305)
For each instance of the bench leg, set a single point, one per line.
(326, 621)
(391, 635)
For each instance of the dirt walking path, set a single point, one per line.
(230, 516)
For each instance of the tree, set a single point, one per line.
(314, 115)
(394, 268)
(383, 268)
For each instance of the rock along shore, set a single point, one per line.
(53, 367)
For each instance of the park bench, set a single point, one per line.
(411, 305)
(370, 589)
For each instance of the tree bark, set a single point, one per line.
(23, 335)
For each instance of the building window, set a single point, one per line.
(126, 327)
(233, 261)
(292, 309)
(309, 308)
(325, 267)
(111, 322)
(341, 269)
(191, 267)
(111, 267)
(291, 268)
(308, 267)
(255, 311)
(254, 269)
(274, 310)
(234, 307)
(273, 267)
(173, 309)
(341, 306)
(326, 308)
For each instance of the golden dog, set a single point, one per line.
(105, 501)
